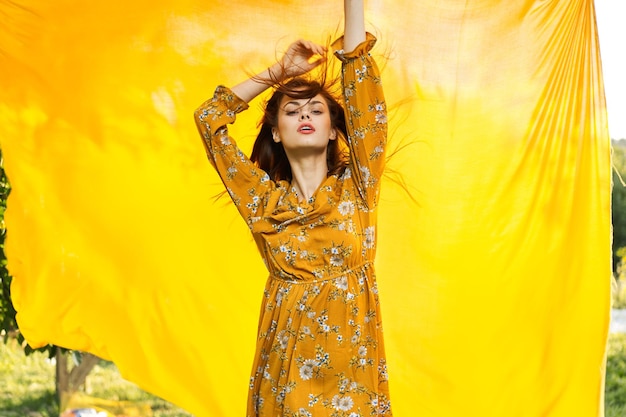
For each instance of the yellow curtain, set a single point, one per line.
(494, 245)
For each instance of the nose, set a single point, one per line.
(304, 114)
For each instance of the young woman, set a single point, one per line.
(310, 204)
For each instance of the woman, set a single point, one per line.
(312, 213)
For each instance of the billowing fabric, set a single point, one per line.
(320, 349)
(493, 235)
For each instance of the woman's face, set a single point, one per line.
(304, 125)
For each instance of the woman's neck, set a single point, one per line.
(307, 175)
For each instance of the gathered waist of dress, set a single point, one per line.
(293, 279)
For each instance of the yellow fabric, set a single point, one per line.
(493, 259)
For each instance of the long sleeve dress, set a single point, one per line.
(320, 346)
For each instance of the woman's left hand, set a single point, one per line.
(301, 57)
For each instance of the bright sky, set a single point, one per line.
(611, 18)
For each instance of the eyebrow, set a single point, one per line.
(297, 103)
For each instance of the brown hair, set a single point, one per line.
(271, 157)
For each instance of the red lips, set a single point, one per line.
(306, 128)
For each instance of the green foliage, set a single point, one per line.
(618, 199)
(7, 312)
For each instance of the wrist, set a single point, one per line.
(275, 74)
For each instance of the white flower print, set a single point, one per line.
(362, 350)
(382, 370)
(336, 260)
(342, 384)
(306, 370)
(322, 357)
(283, 339)
(377, 151)
(361, 74)
(366, 173)
(353, 414)
(370, 236)
(342, 283)
(344, 403)
(303, 412)
(225, 140)
(253, 206)
(346, 208)
(381, 118)
(347, 226)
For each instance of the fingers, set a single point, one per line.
(302, 56)
(306, 48)
(314, 48)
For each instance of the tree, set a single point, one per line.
(72, 367)
(618, 199)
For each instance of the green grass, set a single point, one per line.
(27, 384)
(615, 392)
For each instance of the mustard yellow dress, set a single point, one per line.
(320, 346)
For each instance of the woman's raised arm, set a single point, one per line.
(354, 24)
(301, 57)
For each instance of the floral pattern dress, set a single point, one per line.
(320, 346)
